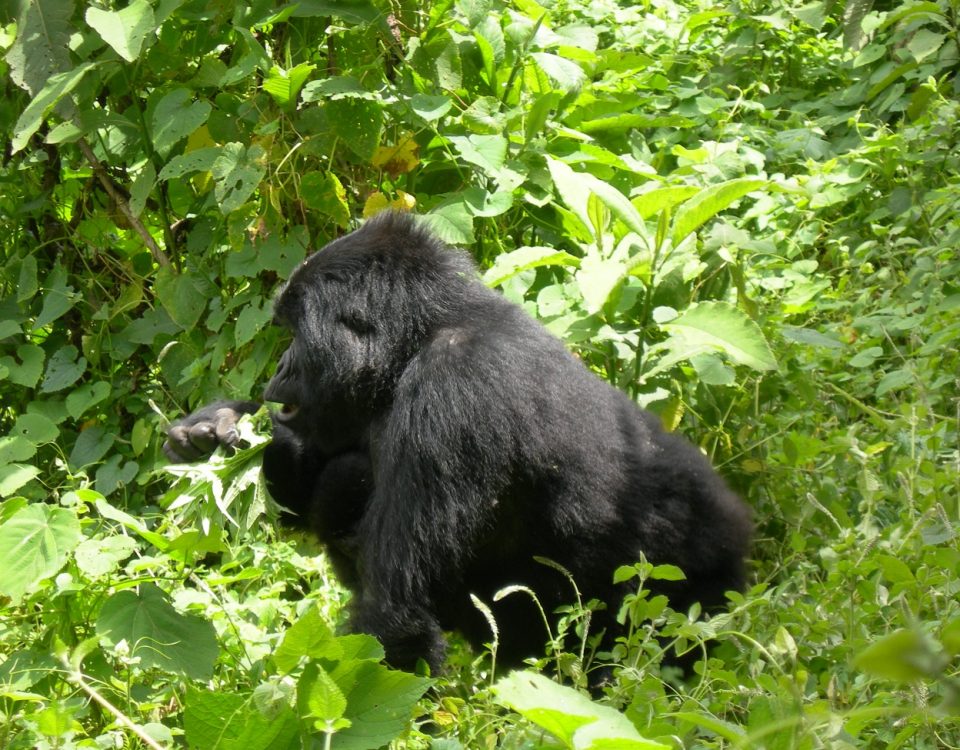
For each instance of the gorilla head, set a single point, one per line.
(437, 439)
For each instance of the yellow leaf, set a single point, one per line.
(398, 159)
(378, 202)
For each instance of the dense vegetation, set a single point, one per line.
(745, 214)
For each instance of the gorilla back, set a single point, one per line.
(436, 438)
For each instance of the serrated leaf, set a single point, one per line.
(323, 192)
(708, 203)
(324, 698)
(159, 635)
(34, 544)
(182, 295)
(310, 637)
(124, 30)
(719, 326)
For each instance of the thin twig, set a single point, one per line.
(158, 255)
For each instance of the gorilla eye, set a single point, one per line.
(356, 324)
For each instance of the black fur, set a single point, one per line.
(436, 438)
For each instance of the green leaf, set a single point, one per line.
(182, 295)
(159, 635)
(507, 265)
(32, 117)
(124, 30)
(91, 446)
(101, 555)
(380, 703)
(597, 278)
(489, 152)
(111, 476)
(903, 656)
(58, 297)
(28, 371)
(82, 398)
(251, 320)
(231, 721)
(36, 428)
(708, 203)
(451, 221)
(175, 117)
(358, 123)
(34, 545)
(430, 108)
(337, 87)
(564, 73)
(654, 201)
(284, 85)
(570, 716)
(63, 370)
(199, 160)
(576, 188)
(238, 172)
(719, 326)
(310, 637)
(324, 698)
(14, 476)
(41, 49)
(323, 192)
(16, 448)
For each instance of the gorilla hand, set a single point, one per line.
(199, 434)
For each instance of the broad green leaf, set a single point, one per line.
(903, 656)
(564, 73)
(238, 172)
(175, 117)
(380, 703)
(159, 635)
(654, 201)
(708, 203)
(337, 87)
(28, 370)
(101, 555)
(58, 297)
(480, 202)
(63, 369)
(36, 428)
(358, 123)
(430, 108)
(570, 716)
(124, 30)
(451, 221)
(57, 87)
(27, 281)
(111, 475)
(200, 160)
(41, 49)
(323, 192)
(91, 446)
(16, 448)
(489, 152)
(251, 320)
(719, 326)
(508, 265)
(597, 278)
(309, 636)
(183, 296)
(82, 398)
(231, 721)
(34, 544)
(13, 477)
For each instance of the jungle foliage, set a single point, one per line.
(745, 214)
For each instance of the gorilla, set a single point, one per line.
(437, 439)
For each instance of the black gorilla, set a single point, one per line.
(436, 438)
